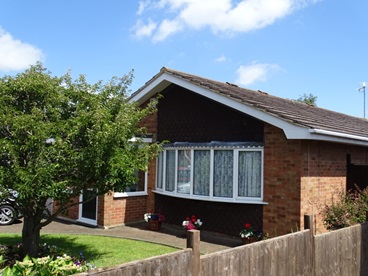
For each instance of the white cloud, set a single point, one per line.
(221, 58)
(16, 55)
(166, 28)
(143, 30)
(221, 16)
(247, 75)
(142, 6)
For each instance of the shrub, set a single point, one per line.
(347, 209)
(51, 261)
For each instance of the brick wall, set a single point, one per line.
(281, 182)
(117, 211)
(71, 213)
(325, 170)
(300, 177)
(323, 174)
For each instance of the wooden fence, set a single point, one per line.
(340, 252)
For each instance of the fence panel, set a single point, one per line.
(338, 252)
(172, 264)
(286, 255)
(364, 249)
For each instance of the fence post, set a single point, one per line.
(308, 224)
(193, 240)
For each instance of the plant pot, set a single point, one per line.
(249, 240)
(154, 225)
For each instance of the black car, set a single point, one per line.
(9, 209)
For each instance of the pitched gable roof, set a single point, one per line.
(298, 120)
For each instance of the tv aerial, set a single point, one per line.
(362, 89)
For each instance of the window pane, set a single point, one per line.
(160, 170)
(201, 177)
(223, 173)
(249, 177)
(170, 170)
(139, 185)
(184, 167)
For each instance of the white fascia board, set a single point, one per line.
(154, 87)
(291, 131)
(332, 136)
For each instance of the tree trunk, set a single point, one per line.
(31, 235)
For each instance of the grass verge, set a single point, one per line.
(101, 251)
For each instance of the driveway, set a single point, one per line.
(168, 235)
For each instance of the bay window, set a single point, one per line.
(211, 171)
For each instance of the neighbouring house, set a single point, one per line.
(235, 156)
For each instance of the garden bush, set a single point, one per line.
(346, 209)
(50, 261)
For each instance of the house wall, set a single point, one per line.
(184, 116)
(116, 211)
(300, 177)
(71, 213)
(324, 175)
(220, 217)
(282, 161)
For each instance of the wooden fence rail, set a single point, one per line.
(341, 252)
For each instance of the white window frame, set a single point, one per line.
(138, 193)
(235, 198)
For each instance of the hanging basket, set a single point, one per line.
(154, 225)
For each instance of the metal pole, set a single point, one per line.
(362, 89)
(364, 100)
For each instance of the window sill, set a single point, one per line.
(213, 199)
(129, 194)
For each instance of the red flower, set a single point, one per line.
(247, 225)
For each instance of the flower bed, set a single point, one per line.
(50, 261)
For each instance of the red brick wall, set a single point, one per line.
(300, 177)
(116, 211)
(325, 169)
(72, 212)
(281, 182)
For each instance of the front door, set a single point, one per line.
(88, 210)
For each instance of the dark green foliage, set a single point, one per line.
(346, 210)
(60, 136)
(308, 99)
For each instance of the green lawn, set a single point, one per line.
(98, 250)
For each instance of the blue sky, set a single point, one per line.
(286, 48)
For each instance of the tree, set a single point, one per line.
(308, 99)
(60, 136)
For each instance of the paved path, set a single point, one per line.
(168, 235)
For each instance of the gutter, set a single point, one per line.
(338, 134)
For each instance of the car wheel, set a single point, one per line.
(7, 214)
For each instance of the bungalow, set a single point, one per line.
(236, 156)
